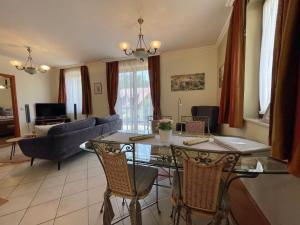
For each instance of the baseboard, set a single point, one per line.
(244, 209)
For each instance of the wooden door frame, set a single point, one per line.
(12, 80)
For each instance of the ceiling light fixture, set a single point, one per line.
(28, 67)
(141, 52)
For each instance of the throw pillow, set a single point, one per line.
(42, 130)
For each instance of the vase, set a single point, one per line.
(165, 135)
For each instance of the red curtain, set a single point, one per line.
(86, 91)
(285, 99)
(232, 95)
(62, 96)
(154, 77)
(112, 79)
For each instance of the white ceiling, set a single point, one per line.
(67, 32)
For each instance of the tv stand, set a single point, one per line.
(49, 121)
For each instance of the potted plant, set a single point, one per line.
(165, 129)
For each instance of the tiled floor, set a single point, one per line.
(72, 196)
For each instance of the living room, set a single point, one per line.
(74, 47)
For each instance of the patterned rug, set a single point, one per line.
(3, 201)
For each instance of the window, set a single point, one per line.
(73, 90)
(134, 104)
(266, 55)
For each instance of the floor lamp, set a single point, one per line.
(179, 104)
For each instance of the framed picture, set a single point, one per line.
(188, 82)
(97, 88)
(221, 74)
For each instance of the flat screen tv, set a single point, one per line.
(50, 110)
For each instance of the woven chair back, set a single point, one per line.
(201, 185)
(202, 176)
(114, 162)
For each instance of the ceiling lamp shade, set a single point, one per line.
(142, 51)
(28, 66)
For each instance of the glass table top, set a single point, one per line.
(161, 156)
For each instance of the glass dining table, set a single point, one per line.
(250, 165)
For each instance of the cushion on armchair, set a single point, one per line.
(212, 112)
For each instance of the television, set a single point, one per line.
(50, 110)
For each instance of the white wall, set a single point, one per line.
(188, 61)
(97, 71)
(278, 196)
(30, 89)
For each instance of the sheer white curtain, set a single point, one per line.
(73, 90)
(134, 104)
(266, 55)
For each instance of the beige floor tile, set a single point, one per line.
(72, 203)
(4, 192)
(10, 181)
(40, 213)
(79, 217)
(16, 204)
(51, 222)
(95, 218)
(32, 178)
(54, 181)
(74, 176)
(96, 181)
(47, 194)
(12, 219)
(96, 194)
(74, 187)
(26, 188)
(92, 172)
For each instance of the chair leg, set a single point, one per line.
(101, 210)
(58, 165)
(172, 212)
(170, 176)
(123, 202)
(178, 215)
(31, 162)
(158, 210)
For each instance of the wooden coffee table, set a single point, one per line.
(14, 142)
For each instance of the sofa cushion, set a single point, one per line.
(102, 120)
(72, 126)
(42, 130)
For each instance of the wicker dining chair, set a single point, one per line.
(199, 184)
(125, 178)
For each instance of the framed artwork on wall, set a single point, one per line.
(97, 88)
(188, 82)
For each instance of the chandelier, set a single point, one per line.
(29, 67)
(141, 52)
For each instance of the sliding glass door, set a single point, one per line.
(134, 103)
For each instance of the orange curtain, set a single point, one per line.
(86, 91)
(112, 79)
(62, 96)
(285, 99)
(154, 77)
(232, 95)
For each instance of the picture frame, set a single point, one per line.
(188, 82)
(97, 88)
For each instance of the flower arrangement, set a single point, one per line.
(165, 124)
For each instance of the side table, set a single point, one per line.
(14, 142)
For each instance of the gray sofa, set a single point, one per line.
(62, 141)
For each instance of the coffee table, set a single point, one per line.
(14, 142)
